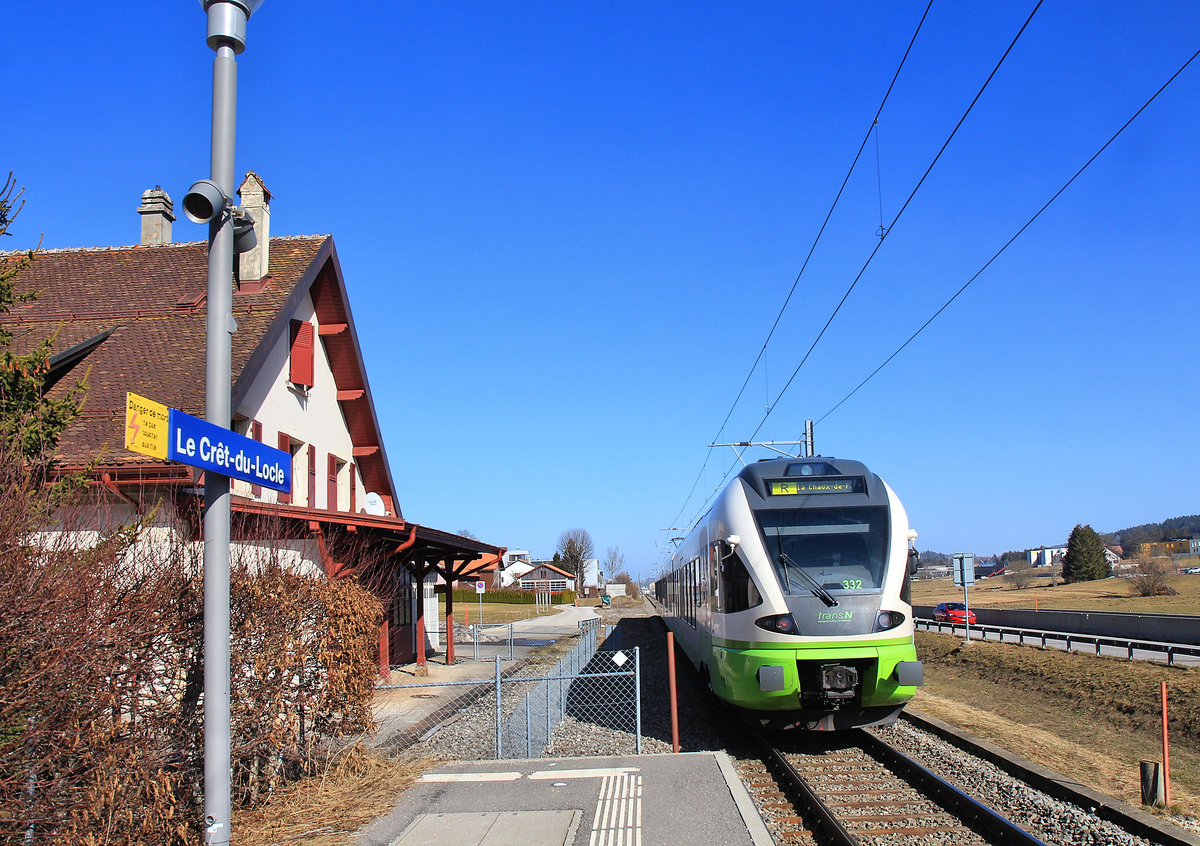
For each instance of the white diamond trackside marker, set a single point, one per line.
(619, 659)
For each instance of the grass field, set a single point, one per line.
(494, 613)
(1113, 594)
(1090, 718)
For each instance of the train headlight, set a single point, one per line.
(885, 620)
(778, 623)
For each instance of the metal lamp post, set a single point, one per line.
(209, 201)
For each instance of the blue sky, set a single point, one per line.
(567, 229)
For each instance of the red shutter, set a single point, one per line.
(353, 487)
(256, 434)
(301, 371)
(331, 494)
(285, 444)
(312, 476)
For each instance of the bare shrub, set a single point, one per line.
(1150, 578)
(91, 735)
(1020, 574)
(101, 671)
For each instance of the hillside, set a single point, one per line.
(1176, 527)
(1128, 539)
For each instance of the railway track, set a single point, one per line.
(855, 790)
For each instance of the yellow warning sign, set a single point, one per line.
(147, 426)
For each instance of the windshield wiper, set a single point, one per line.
(813, 585)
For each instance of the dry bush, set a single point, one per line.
(1150, 578)
(302, 647)
(101, 674)
(91, 735)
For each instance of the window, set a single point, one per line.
(334, 470)
(285, 443)
(297, 451)
(840, 549)
(353, 488)
(300, 371)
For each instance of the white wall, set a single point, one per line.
(309, 417)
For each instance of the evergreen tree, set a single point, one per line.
(1085, 560)
(30, 423)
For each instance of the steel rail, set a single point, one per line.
(978, 816)
(986, 821)
(821, 814)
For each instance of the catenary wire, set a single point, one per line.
(875, 250)
(1018, 234)
(882, 238)
(811, 249)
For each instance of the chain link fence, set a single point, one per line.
(587, 685)
(476, 642)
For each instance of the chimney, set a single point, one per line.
(158, 213)
(256, 199)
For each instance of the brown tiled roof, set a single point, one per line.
(152, 301)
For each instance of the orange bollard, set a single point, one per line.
(671, 681)
(1166, 750)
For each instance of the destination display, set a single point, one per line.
(794, 487)
(154, 429)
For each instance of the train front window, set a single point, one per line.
(841, 550)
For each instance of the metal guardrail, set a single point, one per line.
(1043, 638)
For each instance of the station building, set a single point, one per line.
(132, 319)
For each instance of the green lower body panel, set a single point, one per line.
(788, 678)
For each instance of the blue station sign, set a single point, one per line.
(198, 443)
(154, 429)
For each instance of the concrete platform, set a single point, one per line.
(664, 800)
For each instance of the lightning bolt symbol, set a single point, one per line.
(134, 427)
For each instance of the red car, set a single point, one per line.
(953, 612)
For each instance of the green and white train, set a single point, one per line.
(792, 595)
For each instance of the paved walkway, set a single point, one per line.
(658, 800)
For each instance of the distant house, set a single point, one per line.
(1164, 549)
(546, 576)
(591, 581)
(134, 319)
(510, 574)
(1046, 556)
(512, 556)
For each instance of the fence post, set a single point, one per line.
(528, 729)
(671, 682)
(510, 641)
(1166, 750)
(637, 694)
(499, 729)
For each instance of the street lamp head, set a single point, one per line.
(227, 22)
(244, 237)
(204, 201)
(251, 6)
